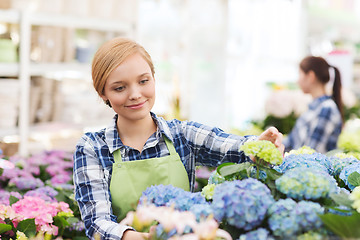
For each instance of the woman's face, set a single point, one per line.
(304, 81)
(130, 88)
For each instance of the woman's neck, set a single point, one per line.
(136, 133)
(318, 91)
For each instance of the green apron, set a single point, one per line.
(129, 179)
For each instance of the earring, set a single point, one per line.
(107, 102)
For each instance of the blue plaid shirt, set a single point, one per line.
(319, 127)
(196, 144)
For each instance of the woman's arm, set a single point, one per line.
(91, 182)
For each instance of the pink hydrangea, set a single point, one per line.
(42, 211)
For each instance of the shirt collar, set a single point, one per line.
(114, 142)
(317, 101)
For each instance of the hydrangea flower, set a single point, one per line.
(26, 183)
(302, 150)
(344, 174)
(215, 178)
(288, 218)
(306, 183)
(31, 207)
(355, 196)
(46, 193)
(339, 161)
(169, 195)
(349, 141)
(5, 196)
(338, 211)
(208, 191)
(242, 203)
(263, 150)
(315, 160)
(262, 174)
(311, 236)
(201, 211)
(258, 234)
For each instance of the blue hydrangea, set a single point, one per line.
(341, 210)
(288, 218)
(169, 195)
(258, 234)
(215, 178)
(339, 163)
(241, 203)
(262, 174)
(315, 160)
(306, 183)
(344, 174)
(201, 211)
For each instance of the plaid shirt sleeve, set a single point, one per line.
(212, 146)
(91, 181)
(321, 130)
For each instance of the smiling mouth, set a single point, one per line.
(136, 106)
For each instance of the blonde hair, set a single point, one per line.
(110, 55)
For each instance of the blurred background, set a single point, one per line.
(226, 63)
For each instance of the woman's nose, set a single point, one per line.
(135, 93)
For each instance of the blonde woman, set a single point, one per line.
(139, 149)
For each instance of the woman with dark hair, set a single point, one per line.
(319, 127)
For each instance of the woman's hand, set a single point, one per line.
(273, 135)
(132, 235)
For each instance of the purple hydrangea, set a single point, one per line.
(46, 193)
(241, 203)
(315, 160)
(161, 195)
(344, 174)
(306, 183)
(258, 234)
(26, 183)
(77, 226)
(5, 196)
(288, 218)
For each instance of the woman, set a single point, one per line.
(319, 127)
(139, 149)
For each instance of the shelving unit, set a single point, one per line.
(24, 69)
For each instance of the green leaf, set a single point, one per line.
(28, 227)
(1, 171)
(354, 179)
(271, 174)
(223, 165)
(228, 169)
(13, 200)
(341, 199)
(4, 227)
(343, 226)
(61, 223)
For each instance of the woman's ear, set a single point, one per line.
(311, 75)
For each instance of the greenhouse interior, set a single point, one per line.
(179, 119)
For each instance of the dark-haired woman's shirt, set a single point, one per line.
(319, 127)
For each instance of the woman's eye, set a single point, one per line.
(120, 88)
(144, 81)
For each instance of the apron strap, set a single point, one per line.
(117, 156)
(169, 144)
